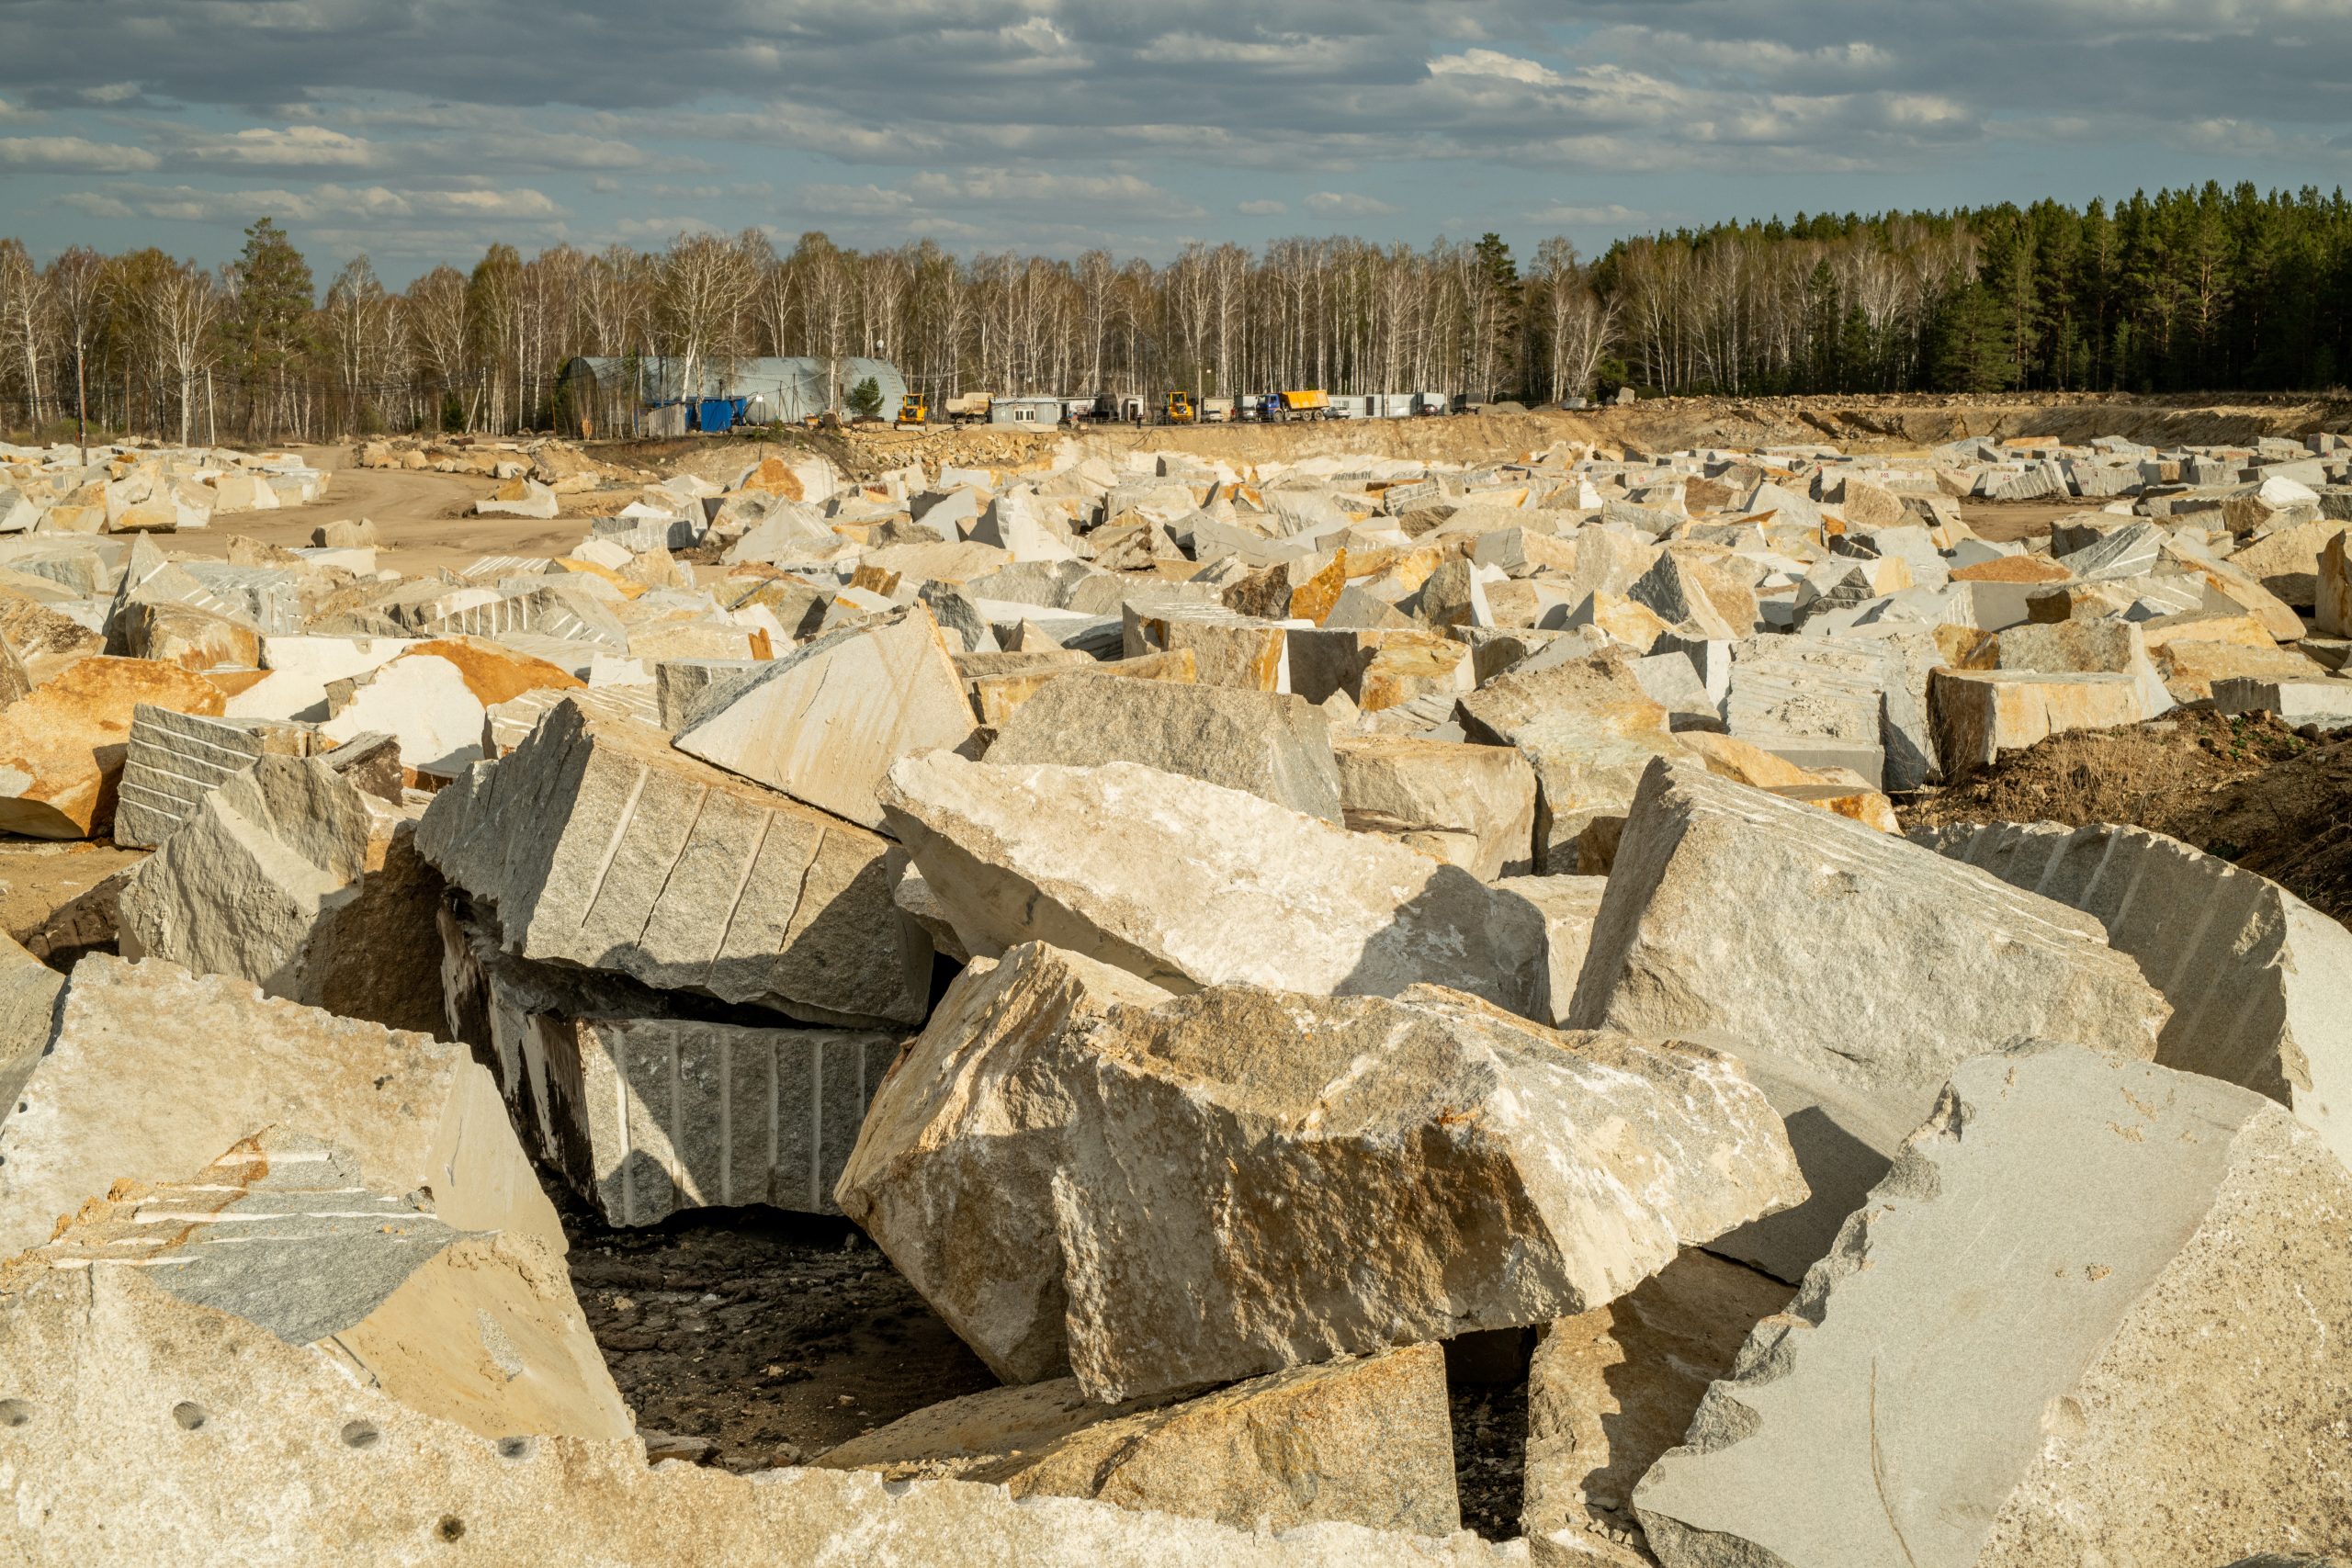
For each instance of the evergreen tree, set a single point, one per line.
(267, 328)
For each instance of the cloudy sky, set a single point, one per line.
(419, 130)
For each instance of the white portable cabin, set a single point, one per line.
(1393, 405)
(1348, 405)
(1039, 412)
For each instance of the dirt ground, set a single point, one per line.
(774, 1336)
(425, 519)
(2241, 786)
(2007, 522)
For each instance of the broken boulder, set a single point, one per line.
(1853, 971)
(62, 748)
(2151, 1263)
(1173, 1161)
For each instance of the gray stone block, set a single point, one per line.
(599, 845)
(1851, 973)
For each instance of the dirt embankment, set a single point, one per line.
(2243, 787)
(1891, 424)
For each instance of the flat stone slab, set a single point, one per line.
(153, 1068)
(824, 722)
(2098, 1311)
(1272, 744)
(1365, 1438)
(1187, 884)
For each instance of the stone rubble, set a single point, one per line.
(1252, 943)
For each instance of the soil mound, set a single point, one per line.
(2244, 787)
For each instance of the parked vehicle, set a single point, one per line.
(1177, 409)
(969, 408)
(1287, 406)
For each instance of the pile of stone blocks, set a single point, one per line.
(1252, 947)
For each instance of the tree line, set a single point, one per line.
(2192, 289)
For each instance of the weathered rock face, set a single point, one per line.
(1365, 1439)
(152, 1067)
(2153, 1263)
(478, 1328)
(1588, 729)
(238, 888)
(1273, 745)
(1570, 906)
(2260, 983)
(970, 1115)
(1856, 974)
(1471, 805)
(61, 748)
(1187, 885)
(1239, 1181)
(599, 845)
(1610, 1390)
(1259, 1180)
(43, 641)
(824, 723)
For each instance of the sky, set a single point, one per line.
(422, 131)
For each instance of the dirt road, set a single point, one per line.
(424, 519)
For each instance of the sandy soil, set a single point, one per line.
(425, 519)
(38, 876)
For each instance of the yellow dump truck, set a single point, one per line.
(969, 408)
(1286, 406)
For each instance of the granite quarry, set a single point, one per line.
(1248, 951)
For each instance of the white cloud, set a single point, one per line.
(856, 201)
(1347, 204)
(1612, 214)
(295, 147)
(1008, 187)
(382, 203)
(1261, 208)
(74, 154)
(110, 93)
(1494, 63)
